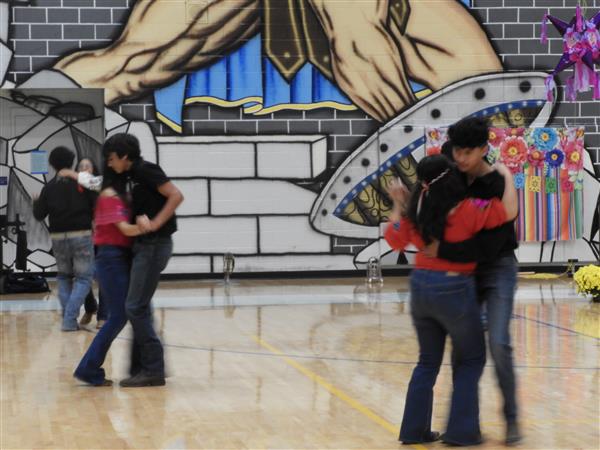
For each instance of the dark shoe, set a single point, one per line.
(86, 318)
(513, 436)
(142, 380)
(70, 329)
(453, 443)
(433, 436)
(103, 383)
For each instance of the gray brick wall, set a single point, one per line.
(41, 30)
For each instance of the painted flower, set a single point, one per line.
(514, 153)
(536, 157)
(545, 138)
(579, 182)
(434, 150)
(567, 185)
(534, 183)
(496, 136)
(519, 179)
(551, 185)
(555, 158)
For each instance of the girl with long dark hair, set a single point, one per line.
(112, 236)
(443, 298)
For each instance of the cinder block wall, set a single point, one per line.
(42, 30)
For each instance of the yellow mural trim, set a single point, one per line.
(220, 102)
(169, 122)
(306, 107)
(260, 110)
(423, 93)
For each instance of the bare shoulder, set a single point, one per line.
(108, 192)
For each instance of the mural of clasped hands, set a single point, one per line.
(372, 56)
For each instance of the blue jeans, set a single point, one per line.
(496, 283)
(445, 305)
(112, 267)
(150, 257)
(74, 263)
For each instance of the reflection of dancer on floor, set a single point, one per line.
(443, 296)
(112, 237)
(371, 58)
(496, 274)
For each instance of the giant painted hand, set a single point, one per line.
(372, 59)
(162, 40)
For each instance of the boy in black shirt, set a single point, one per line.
(496, 273)
(70, 209)
(155, 196)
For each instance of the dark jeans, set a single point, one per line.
(496, 283)
(445, 305)
(113, 265)
(96, 307)
(150, 257)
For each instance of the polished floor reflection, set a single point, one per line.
(288, 364)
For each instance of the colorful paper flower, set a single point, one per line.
(551, 185)
(579, 183)
(555, 157)
(434, 134)
(514, 153)
(496, 136)
(534, 183)
(434, 150)
(519, 179)
(493, 154)
(573, 155)
(536, 157)
(545, 138)
(515, 132)
(566, 185)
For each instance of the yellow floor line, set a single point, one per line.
(335, 391)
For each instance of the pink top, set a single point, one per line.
(109, 211)
(469, 217)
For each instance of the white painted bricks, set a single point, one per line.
(290, 157)
(291, 235)
(231, 197)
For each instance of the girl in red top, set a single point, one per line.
(112, 236)
(443, 300)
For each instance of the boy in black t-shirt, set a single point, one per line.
(496, 273)
(155, 196)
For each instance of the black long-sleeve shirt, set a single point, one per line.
(68, 205)
(487, 245)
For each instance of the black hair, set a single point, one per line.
(441, 196)
(95, 169)
(123, 144)
(470, 132)
(116, 181)
(61, 158)
(447, 150)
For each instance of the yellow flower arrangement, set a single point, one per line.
(587, 279)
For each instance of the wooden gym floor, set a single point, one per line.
(288, 364)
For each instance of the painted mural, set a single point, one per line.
(276, 200)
